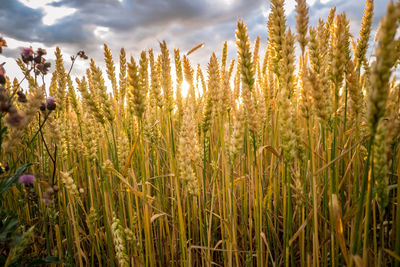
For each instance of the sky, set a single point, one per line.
(136, 25)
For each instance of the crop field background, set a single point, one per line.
(285, 158)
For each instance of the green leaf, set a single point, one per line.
(49, 259)
(3, 130)
(8, 183)
(8, 227)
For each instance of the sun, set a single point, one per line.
(185, 88)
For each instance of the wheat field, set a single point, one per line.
(282, 159)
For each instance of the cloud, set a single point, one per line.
(140, 24)
(19, 21)
(354, 11)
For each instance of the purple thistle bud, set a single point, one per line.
(38, 60)
(43, 67)
(41, 52)
(2, 74)
(21, 97)
(27, 179)
(27, 55)
(43, 107)
(82, 54)
(51, 103)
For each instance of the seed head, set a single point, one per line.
(14, 118)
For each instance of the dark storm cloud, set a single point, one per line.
(19, 21)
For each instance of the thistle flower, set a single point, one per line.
(82, 55)
(21, 97)
(27, 55)
(43, 68)
(51, 103)
(41, 52)
(27, 179)
(38, 56)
